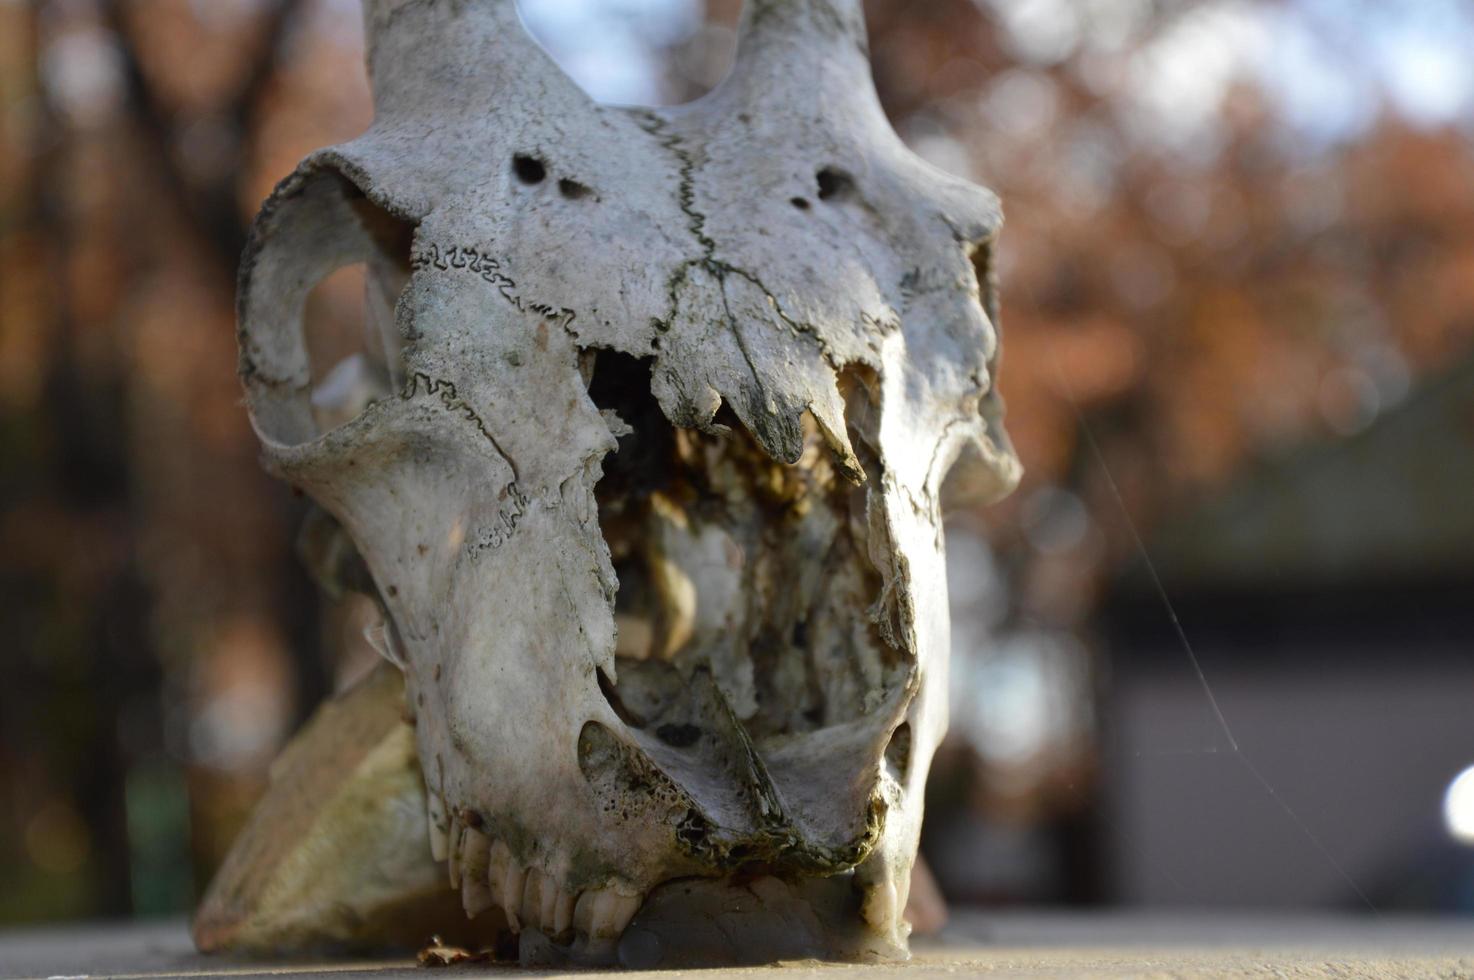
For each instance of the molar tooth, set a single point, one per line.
(563, 911)
(602, 913)
(624, 909)
(475, 892)
(435, 810)
(498, 859)
(453, 862)
(583, 911)
(475, 897)
(532, 893)
(512, 893)
(475, 852)
(550, 896)
(879, 906)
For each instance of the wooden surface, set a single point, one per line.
(987, 944)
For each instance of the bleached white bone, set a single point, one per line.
(772, 247)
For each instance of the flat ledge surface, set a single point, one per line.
(993, 944)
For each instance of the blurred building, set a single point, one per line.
(1328, 601)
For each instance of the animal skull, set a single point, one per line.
(649, 489)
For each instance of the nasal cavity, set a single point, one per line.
(647, 624)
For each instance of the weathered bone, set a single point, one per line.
(335, 852)
(578, 291)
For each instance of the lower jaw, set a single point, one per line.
(757, 894)
(737, 919)
(761, 896)
(689, 923)
(335, 857)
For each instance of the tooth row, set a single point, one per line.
(602, 913)
(487, 874)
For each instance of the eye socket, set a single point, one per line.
(834, 183)
(529, 170)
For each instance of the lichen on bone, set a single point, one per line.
(644, 465)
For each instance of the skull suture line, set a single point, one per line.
(653, 507)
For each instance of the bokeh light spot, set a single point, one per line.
(1458, 807)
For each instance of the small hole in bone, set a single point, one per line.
(529, 170)
(802, 203)
(693, 829)
(593, 744)
(572, 189)
(898, 751)
(834, 184)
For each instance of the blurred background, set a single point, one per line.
(1238, 317)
